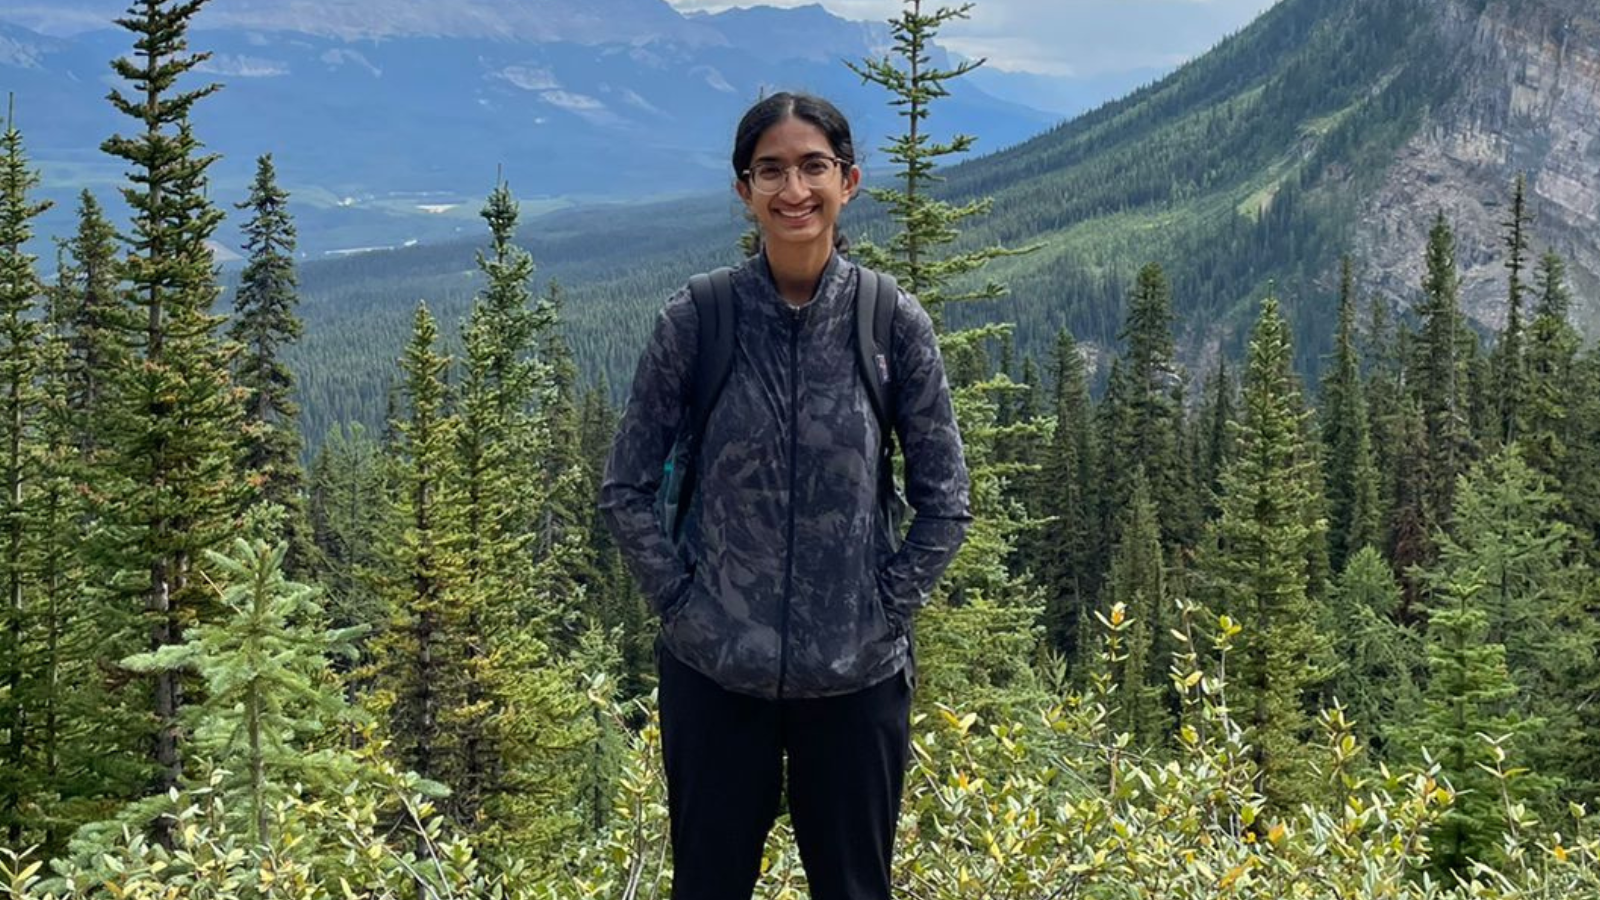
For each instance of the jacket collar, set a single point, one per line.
(753, 281)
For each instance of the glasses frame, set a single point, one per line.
(749, 175)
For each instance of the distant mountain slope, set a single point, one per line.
(389, 137)
(1326, 126)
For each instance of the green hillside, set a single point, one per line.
(1238, 171)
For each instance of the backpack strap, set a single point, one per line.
(877, 296)
(712, 294)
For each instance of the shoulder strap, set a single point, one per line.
(877, 296)
(712, 294)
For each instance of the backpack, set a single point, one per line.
(877, 296)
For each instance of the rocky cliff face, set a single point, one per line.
(1529, 101)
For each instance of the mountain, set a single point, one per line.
(387, 118)
(1325, 127)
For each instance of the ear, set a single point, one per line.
(852, 183)
(743, 190)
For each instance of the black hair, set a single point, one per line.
(773, 109)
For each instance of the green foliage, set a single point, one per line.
(924, 225)
(1352, 477)
(170, 424)
(264, 325)
(1256, 564)
(270, 697)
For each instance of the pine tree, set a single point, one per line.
(1377, 678)
(270, 695)
(1352, 479)
(419, 664)
(1146, 409)
(926, 224)
(1136, 602)
(173, 415)
(1256, 567)
(93, 320)
(1441, 372)
(264, 326)
(1066, 491)
(1544, 425)
(19, 400)
(1510, 368)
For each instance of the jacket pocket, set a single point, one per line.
(893, 614)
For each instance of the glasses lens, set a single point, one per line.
(816, 170)
(768, 178)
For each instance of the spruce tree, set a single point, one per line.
(1067, 496)
(1545, 418)
(173, 416)
(1441, 372)
(346, 514)
(1215, 439)
(1146, 410)
(998, 602)
(418, 658)
(1352, 477)
(1378, 661)
(1510, 367)
(93, 320)
(264, 326)
(520, 715)
(19, 400)
(1136, 597)
(1256, 567)
(1534, 595)
(926, 224)
(270, 697)
(1468, 694)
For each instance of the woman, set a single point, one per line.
(785, 602)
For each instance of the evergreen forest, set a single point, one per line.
(1232, 633)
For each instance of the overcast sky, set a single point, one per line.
(1064, 37)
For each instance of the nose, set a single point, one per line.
(792, 179)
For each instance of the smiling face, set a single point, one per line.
(798, 216)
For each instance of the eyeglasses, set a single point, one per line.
(769, 177)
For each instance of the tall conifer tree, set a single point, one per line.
(1257, 566)
(19, 407)
(264, 325)
(174, 417)
(1352, 480)
(1441, 372)
(1510, 371)
(93, 320)
(1146, 411)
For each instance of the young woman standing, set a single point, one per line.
(786, 600)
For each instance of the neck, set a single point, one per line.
(796, 270)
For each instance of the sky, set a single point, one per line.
(1074, 38)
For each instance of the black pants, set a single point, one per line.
(724, 755)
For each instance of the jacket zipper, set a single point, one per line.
(794, 442)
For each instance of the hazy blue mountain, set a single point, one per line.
(385, 117)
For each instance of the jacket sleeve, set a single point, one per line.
(644, 438)
(937, 486)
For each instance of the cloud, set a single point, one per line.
(1066, 37)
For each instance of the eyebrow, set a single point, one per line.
(814, 154)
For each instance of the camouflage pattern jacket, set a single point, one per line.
(783, 582)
